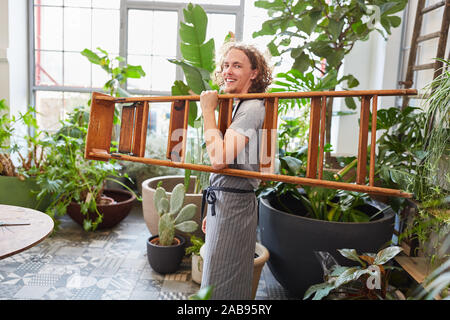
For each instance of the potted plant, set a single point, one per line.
(18, 177)
(369, 280)
(197, 260)
(77, 185)
(165, 250)
(295, 222)
(422, 169)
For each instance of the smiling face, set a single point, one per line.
(237, 72)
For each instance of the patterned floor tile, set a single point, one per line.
(168, 295)
(31, 292)
(107, 264)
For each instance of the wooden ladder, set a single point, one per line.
(133, 134)
(417, 38)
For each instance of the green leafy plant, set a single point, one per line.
(202, 294)
(70, 177)
(196, 244)
(197, 64)
(30, 149)
(116, 68)
(370, 280)
(318, 35)
(172, 214)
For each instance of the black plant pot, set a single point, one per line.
(292, 240)
(165, 259)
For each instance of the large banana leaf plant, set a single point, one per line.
(198, 62)
(198, 56)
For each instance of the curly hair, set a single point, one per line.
(257, 60)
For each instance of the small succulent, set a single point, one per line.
(172, 214)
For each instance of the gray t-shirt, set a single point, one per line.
(248, 120)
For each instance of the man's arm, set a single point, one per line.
(221, 151)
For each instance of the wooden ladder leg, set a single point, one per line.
(176, 145)
(313, 143)
(373, 136)
(322, 135)
(225, 113)
(99, 133)
(140, 129)
(363, 137)
(268, 147)
(127, 124)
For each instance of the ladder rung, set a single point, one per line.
(429, 36)
(433, 7)
(424, 66)
(126, 129)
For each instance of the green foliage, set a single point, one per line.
(197, 243)
(5, 125)
(198, 63)
(172, 214)
(320, 203)
(324, 30)
(30, 149)
(198, 56)
(69, 177)
(318, 35)
(115, 69)
(203, 293)
(358, 282)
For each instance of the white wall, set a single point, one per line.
(14, 58)
(4, 44)
(375, 64)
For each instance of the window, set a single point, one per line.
(144, 32)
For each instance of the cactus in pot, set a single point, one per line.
(172, 214)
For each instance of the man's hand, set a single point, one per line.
(204, 225)
(208, 101)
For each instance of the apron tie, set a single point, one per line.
(210, 196)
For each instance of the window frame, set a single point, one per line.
(125, 6)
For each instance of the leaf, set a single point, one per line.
(350, 103)
(320, 290)
(179, 88)
(346, 276)
(351, 254)
(202, 294)
(335, 27)
(187, 226)
(302, 62)
(196, 77)
(387, 254)
(186, 213)
(177, 199)
(92, 57)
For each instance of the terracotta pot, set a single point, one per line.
(151, 217)
(112, 213)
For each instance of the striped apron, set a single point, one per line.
(230, 242)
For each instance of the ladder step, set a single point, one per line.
(433, 7)
(429, 36)
(424, 66)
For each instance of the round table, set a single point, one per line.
(17, 238)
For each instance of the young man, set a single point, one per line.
(231, 221)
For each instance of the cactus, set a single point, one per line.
(172, 214)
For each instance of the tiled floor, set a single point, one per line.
(102, 265)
